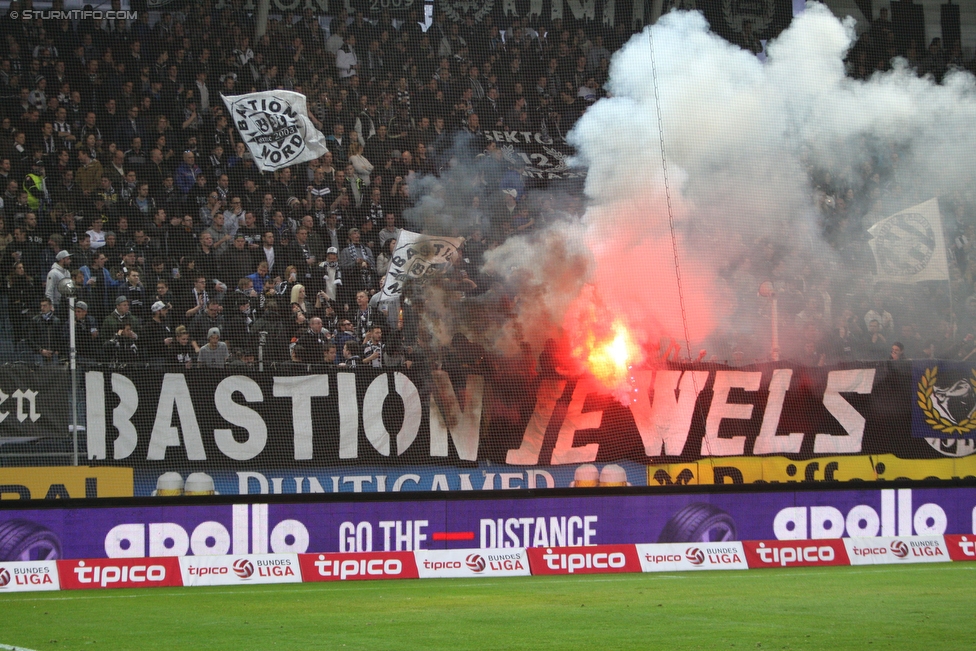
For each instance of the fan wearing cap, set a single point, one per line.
(121, 322)
(158, 333)
(127, 263)
(59, 271)
(86, 333)
(215, 353)
(331, 274)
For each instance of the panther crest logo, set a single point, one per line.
(947, 409)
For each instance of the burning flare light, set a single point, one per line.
(600, 344)
(609, 359)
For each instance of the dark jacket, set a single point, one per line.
(45, 334)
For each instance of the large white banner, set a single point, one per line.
(909, 246)
(275, 127)
(417, 256)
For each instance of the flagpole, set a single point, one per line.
(948, 268)
(952, 319)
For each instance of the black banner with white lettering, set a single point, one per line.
(272, 419)
(535, 155)
(369, 417)
(33, 401)
(767, 17)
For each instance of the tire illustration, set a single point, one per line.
(698, 523)
(22, 540)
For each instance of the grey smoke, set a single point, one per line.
(740, 137)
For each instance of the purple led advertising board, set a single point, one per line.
(257, 528)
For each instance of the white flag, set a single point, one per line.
(275, 127)
(909, 247)
(417, 257)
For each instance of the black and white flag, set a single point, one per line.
(909, 246)
(418, 257)
(275, 126)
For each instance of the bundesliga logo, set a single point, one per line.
(695, 556)
(4, 577)
(475, 563)
(243, 568)
(899, 548)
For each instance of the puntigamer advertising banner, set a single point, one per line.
(512, 525)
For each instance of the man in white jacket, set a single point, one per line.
(58, 271)
(346, 60)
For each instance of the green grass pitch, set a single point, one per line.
(874, 608)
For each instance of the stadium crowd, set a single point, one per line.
(120, 169)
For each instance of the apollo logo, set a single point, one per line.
(475, 563)
(899, 548)
(243, 568)
(4, 577)
(695, 556)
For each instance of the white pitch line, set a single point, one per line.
(7, 647)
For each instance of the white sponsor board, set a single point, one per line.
(240, 570)
(29, 576)
(679, 557)
(886, 550)
(433, 564)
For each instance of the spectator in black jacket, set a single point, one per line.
(157, 334)
(87, 344)
(46, 338)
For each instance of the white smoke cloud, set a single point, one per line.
(740, 138)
